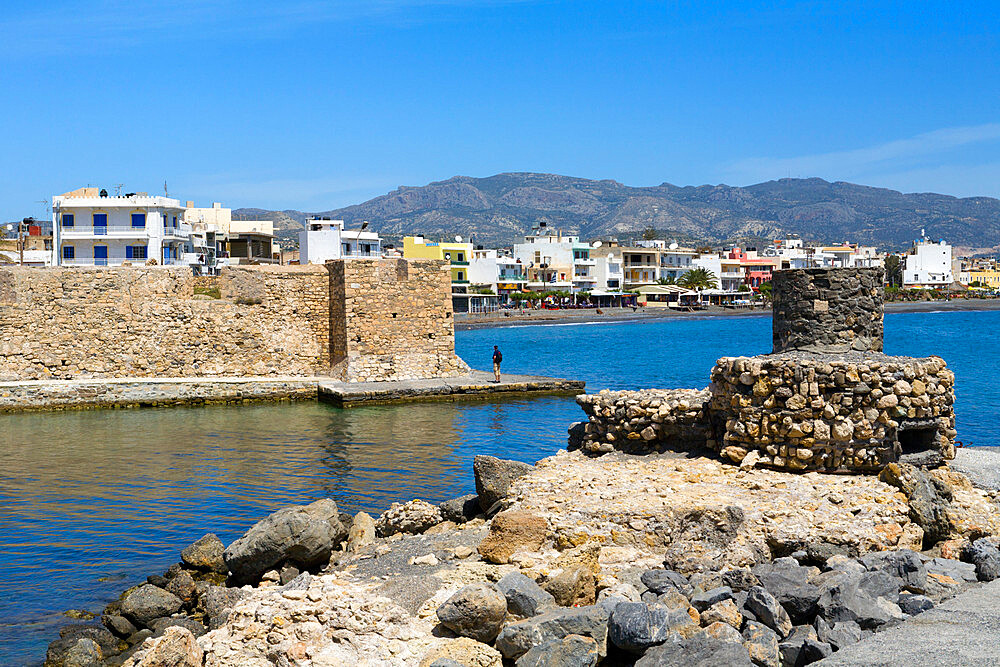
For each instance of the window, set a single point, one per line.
(174, 222)
(69, 252)
(135, 252)
(138, 220)
(461, 275)
(100, 220)
(461, 257)
(68, 220)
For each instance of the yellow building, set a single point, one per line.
(456, 254)
(986, 278)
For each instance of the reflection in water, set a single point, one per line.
(90, 495)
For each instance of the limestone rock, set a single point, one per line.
(176, 648)
(476, 611)
(494, 477)
(302, 535)
(571, 651)
(722, 631)
(206, 555)
(362, 532)
(466, 652)
(413, 517)
(525, 598)
(725, 611)
(149, 602)
(159, 625)
(511, 531)
(516, 639)
(572, 587)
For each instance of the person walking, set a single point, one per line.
(497, 358)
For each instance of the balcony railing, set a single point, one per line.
(124, 231)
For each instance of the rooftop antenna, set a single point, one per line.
(44, 203)
(165, 192)
(118, 189)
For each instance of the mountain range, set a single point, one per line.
(500, 209)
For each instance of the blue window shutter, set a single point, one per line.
(128, 252)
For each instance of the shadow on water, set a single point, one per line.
(92, 502)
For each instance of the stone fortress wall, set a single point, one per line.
(827, 399)
(257, 321)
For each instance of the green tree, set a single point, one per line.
(650, 234)
(894, 270)
(765, 290)
(669, 280)
(698, 279)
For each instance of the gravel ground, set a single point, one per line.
(979, 464)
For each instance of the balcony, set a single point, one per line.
(179, 232)
(585, 262)
(456, 263)
(110, 231)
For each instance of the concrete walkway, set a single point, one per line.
(962, 631)
(476, 384)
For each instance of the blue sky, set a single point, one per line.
(316, 105)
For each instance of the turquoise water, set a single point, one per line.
(115, 495)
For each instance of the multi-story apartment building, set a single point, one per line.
(554, 261)
(252, 242)
(498, 271)
(928, 264)
(91, 228)
(324, 239)
(457, 254)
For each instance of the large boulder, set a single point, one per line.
(148, 602)
(700, 650)
(985, 556)
(476, 611)
(762, 644)
(661, 581)
(525, 598)
(362, 532)
(207, 555)
(494, 477)
(635, 626)
(903, 564)
(512, 531)
(790, 584)
(767, 610)
(516, 639)
(571, 651)
(573, 587)
(410, 518)
(843, 599)
(85, 653)
(218, 602)
(462, 651)
(460, 509)
(303, 535)
(70, 636)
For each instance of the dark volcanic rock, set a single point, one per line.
(218, 601)
(460, 509)
(661, 581)
(839, 635)
(986, 557)
(476, 611)
(159, 625)
(635, 626)
(118, 625)
(516, 639)
(902, 563)
(571, 651)
(700, 650)
(790, 584)
(525, 598)
(206, 555)
(183, 587)
(767, 610)
(85, 653)
(703, 601)
(494, 477)
(301, 535)
(762, 643)
(149, 602)
(914, 604)
(71, 634)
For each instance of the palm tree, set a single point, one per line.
(698, 279)
(669, 280)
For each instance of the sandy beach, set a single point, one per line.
(465, 321)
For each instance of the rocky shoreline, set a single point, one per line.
(662, 559)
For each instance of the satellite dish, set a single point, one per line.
(458, 239)
(597, 244)
(674, 246)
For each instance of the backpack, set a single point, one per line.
(497, 357)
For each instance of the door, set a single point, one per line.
(100, 224)
(100, 255)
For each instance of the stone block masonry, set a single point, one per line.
(828, 311)
(374, 319)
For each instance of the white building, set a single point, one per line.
(207, 250)
(608, 271)
(497, 270)
(89, 228)
(928, 264)
(324, 239)
(554, 261)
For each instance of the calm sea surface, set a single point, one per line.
(92, 502)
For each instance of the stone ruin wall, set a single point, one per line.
(827, 311)
(401, 323)
(833, 403)
(76, 323)
(833, 414)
